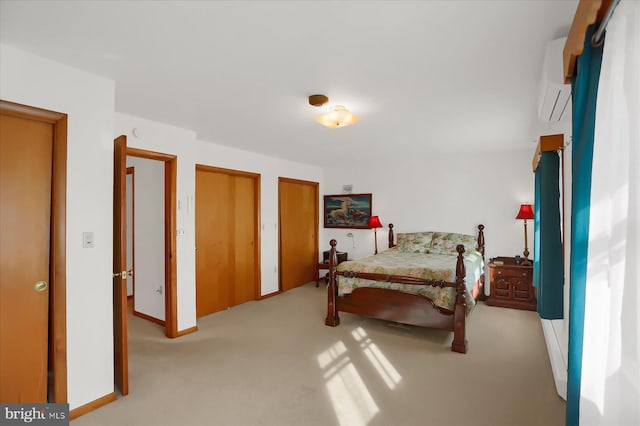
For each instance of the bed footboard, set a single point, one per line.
(399, 306)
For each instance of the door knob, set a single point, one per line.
(40, 286)
(122, 274)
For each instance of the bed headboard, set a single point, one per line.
(480, 238)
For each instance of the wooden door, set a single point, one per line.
(120, 332)
(213, 233)
(25, 217)
(226, 238)
(244, 228)
(298, 217)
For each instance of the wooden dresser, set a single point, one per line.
(511, 285)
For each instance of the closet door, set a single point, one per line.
(298, 217)
(213, 237)
(26, 160)
(227, 254)
(244, 276)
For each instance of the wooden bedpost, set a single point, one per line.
(459, 343)
(481, 240)
(332, 319)
(391, 244)
(481, 296)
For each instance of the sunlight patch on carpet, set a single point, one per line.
(380, 362)
(351, 400)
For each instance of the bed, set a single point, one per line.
(429, 279)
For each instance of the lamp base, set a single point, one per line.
(525, 262)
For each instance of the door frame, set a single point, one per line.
(257, 284)
(316, 190)
(57, 346)
(170, 268)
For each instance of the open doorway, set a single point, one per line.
(146, 239)
(122, 270)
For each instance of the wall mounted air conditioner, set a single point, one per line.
(554, 104)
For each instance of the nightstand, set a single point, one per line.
(511, 285)
(341, 255)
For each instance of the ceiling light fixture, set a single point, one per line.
(339, 116)
(318, 100)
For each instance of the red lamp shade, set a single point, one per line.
(526, 212)
(374, 222)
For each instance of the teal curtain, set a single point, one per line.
(536, 231)
(584, 89)
(548, 273)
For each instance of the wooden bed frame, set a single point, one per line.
(402, 307)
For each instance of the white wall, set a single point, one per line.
(149, 238)
(182, 142)
(129, 231)
(89, 101)
(444, 192)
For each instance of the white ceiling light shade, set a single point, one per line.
(339, 116)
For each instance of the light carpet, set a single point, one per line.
(274, 362)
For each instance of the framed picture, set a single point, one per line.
(347, 211)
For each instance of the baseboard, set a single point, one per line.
(558, 364)
(266, 296)
(148, 317)
(90, 406)
(187, 331)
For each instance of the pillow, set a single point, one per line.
(414, 242)
(446, 243)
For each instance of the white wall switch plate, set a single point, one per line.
(88, 240)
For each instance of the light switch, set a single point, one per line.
(88, 240)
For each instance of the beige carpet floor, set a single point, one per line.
(274, 362)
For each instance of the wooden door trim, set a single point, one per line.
(257, 285)
(170, 262)
(58, 255)
(231, 172)
(316, 204)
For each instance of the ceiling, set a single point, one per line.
(424, 76)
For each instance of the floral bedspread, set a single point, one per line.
(419, 265)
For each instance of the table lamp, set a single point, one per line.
(526, 212)
(374, 222)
